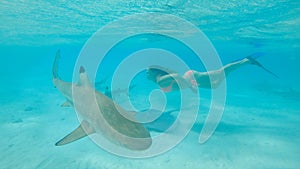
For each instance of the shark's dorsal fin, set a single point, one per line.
(83, 77)
(81, 131)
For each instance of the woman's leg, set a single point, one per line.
(234, 65)
(212, 79)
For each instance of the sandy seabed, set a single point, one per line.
(253, 133)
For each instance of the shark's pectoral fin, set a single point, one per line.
(81, 131)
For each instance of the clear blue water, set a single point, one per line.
(260, 124)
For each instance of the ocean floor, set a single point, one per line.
(259, 129)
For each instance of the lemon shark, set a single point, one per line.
(98, 114)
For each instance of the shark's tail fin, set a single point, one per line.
(252, 59)
(55, 66)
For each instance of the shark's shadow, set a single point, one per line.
(163, 122)
(168, 118)
(223, 127)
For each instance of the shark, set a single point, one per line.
(98, 114)
(108, 92)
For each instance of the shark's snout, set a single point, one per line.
(139, 144)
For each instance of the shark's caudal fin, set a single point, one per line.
(81, 131)
(252, 59)
(55, 65)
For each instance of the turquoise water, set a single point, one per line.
(260, 124)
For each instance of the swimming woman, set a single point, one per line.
(169, 80)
